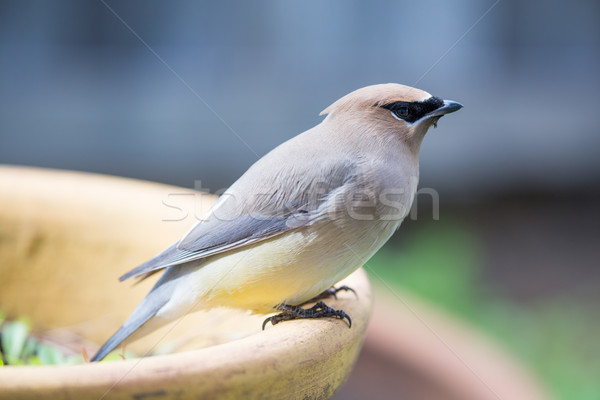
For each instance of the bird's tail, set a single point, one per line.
(139, 318)
(142, 320)
(115, 340)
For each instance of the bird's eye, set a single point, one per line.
(402, 111)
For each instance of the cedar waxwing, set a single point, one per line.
(300, 219)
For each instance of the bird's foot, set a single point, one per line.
(319, 310)
(331, 292)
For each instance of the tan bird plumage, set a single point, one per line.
(302, 217)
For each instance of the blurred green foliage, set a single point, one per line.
(18, 347)
(442, 262)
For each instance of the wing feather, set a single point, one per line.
(210, 238)
(299, 199)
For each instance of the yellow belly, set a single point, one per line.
(291, 268)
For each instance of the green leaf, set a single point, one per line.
(14, 335)
(49, 355)
(34, 360)
(29, 349)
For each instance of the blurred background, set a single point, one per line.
(193, 92)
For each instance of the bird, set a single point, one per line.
(300, 219)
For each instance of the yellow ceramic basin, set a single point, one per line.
(65, 237)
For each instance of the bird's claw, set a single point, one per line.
(319, 310)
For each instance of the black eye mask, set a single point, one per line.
(414, 110)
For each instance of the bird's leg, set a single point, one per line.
(319, 310)
(331, 292)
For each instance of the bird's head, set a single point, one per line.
(391, 108)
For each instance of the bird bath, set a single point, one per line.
(65, 237)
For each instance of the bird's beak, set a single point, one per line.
(448, 107)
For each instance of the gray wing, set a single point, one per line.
(251, 214)
(213, 237)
